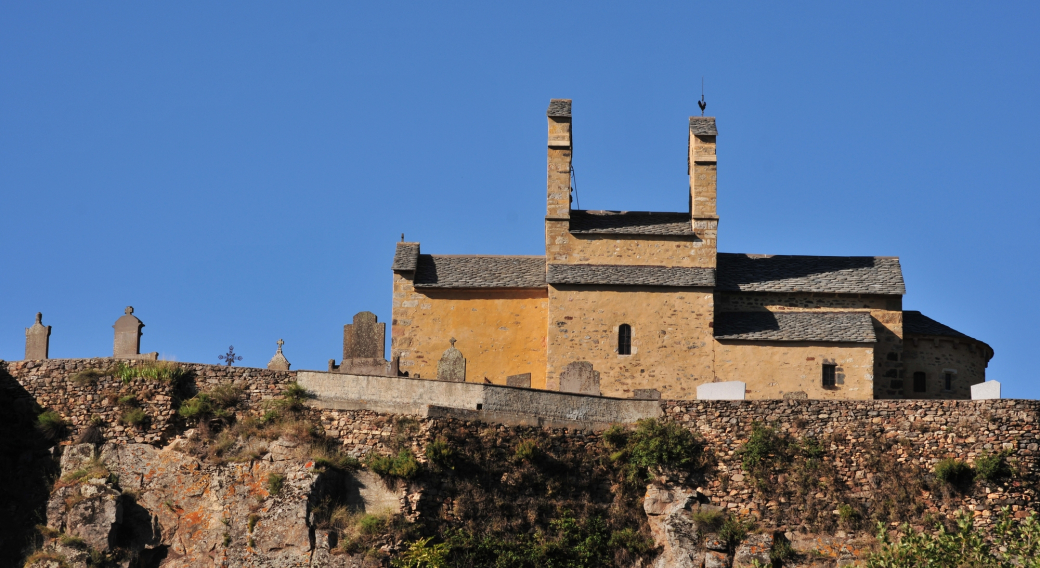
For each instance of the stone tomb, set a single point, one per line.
(363, 343)
(728, 390)
(279, 362)
(452, 366)
(986, 390)
(37, 340)
(522, 380)
(128, 338)
(579, 377)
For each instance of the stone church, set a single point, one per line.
(650, 303)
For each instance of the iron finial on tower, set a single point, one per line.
(701, 102)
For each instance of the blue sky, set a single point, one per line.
(239, 172)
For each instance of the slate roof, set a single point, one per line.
(920, 324)
(627, 275)
(559, 107)
(631, 223)
(703, 125)
(829, 274)
(405, 257)
(846, 327)
(473, 271)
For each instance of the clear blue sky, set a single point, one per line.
(239, 172)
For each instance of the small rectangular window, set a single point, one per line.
(828, 375)
(919, 383)
(948, 381)
(624, 339)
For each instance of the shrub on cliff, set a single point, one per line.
(954, 472)
(202, 407)
(292, 399)
(403, 465)
(652, 444)
(993, 467)
(161, 371)
(51, 425)
(1015, 543)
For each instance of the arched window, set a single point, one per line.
(624, 339)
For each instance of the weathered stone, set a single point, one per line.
(37, 339)
(365, 338)
(579, 377)
(279, 362)
(128, 338)
(671, 526)
(522, 380)
(646, 394)
(714, 559)
(756, 547)
(452, 366)
(729, 390)
(796, 395)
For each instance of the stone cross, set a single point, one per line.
(452, 366)
(37, 339)
(579, 377)
(279, 362)
(128, 337)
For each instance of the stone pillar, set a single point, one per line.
(128, 337)
(452, 366)
(37, 339)
(703, 167)
(559, 170)
(279, 362)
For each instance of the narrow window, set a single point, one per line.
(828, 375)
(919, 382)
(948, 381)
(624, 339)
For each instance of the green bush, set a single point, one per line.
(292, 399)
(954, 472)
(341, 462)
(202, 407)
(133, 417)
(528, 451)
(403, 465)
(734, 530)
(51, 425)
(86, 377)
(993, 467)
(1015, 543)
(439, 452)
(708, 520)
(225, 395)
(765, 449)
(128, 401)
(653, 444)
(422, 554)
(274, 483)
(371, 524)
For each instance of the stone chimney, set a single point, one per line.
(559, 169)
(37, 340)
(702, 167)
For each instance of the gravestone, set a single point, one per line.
(128, 338)
(37, 339)
(452, 366)
(279, 362)
(363, 343)
(579, 377)
(646, 394)
(729, 390)
(522, 380)
(985, 391)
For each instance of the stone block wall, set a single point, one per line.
(919, 432)
(50, 382)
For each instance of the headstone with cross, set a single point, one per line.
(452, 366)
(363, 344)
(37, 339)
(279, 362)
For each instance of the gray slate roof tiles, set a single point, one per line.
(466, 271)
(848, 327)
(619, 275)
(829, 274)
(920, 324)
(405, 257)
(559, 107)
(631, 223)
(703, 125)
